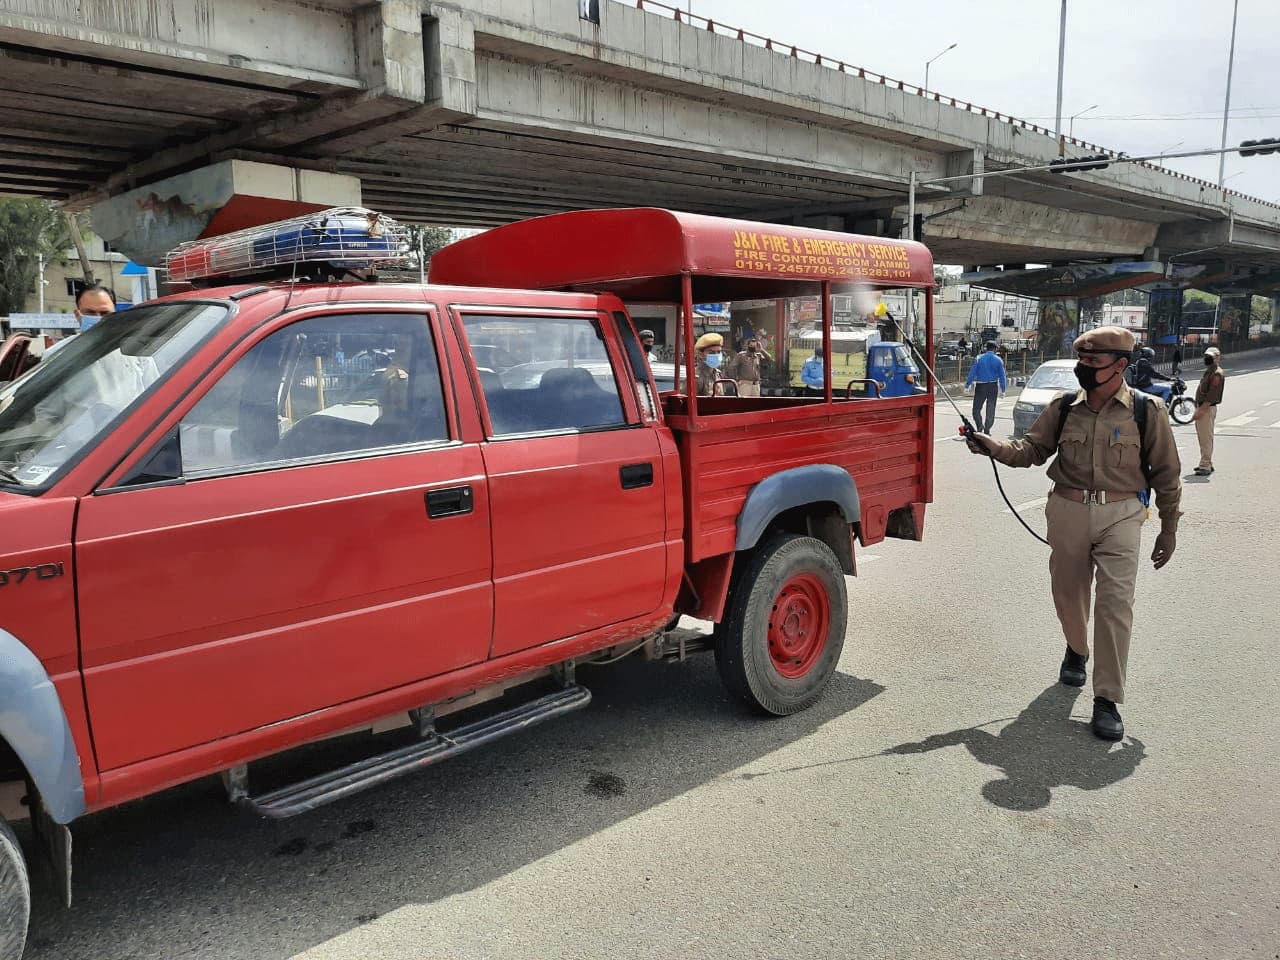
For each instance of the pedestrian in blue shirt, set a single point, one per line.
(811, 375)
(988, 374)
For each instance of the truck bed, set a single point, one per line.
(886, 445)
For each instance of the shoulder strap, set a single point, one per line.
(1063, 412)
(1141, 407)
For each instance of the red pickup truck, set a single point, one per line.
(246, 518)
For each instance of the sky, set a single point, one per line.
(1156, 69)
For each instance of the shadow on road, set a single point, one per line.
(185, 868)
(1038, 750)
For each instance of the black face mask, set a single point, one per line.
(1088, 376)
(1209, 361)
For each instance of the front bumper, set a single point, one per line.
(1023, 418)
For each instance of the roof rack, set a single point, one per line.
(338, 240)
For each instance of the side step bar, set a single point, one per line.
(316, 791)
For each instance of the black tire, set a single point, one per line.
(1183, 410)
(15, 896)
(755, 656)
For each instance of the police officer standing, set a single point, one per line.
(1208, 396)
(745, 368)
(1096, 509)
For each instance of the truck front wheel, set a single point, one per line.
(15, 896)
(784, 629)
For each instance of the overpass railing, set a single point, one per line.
(818, 59)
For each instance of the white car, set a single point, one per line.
(1050, 379)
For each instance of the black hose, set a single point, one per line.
(1000, 486)
(968, 430)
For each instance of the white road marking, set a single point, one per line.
(868, 557)
(1275, 426)
(1031, 504)
(1243, 420)
(1270, 402)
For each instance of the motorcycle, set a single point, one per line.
(1181, 407)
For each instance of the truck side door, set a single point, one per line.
(575, 478)
(310, 532)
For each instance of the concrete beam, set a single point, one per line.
(145, 224)
(275, 42)
(445, 52)
(537, 97)
(1004, 222)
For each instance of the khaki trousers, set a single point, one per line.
(1101, 539)
(1204, 431)
(748, 388)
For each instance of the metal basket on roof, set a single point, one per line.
(345, 238)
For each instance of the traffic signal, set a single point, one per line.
(1098, 161)
(917, 227)
(1257, 148)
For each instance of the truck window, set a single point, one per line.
(49, 418)
(325, 387)
(544, 373)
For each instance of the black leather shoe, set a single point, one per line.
(1106, 724)
(1072, 672)
(1203, 471)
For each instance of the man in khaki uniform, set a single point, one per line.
(709, 350)
(745, 368)
(1095, 511)
(1208, 396)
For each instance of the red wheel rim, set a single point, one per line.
(798, 625)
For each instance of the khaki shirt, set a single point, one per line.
(1210, 389)
(706, 379)
(1102, 451)
(745, 366)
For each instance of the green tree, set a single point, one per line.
(425, 241)
(29, 229)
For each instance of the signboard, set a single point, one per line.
(44, 321)
(797, 255)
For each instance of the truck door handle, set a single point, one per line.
(636, 475)
(450, 502)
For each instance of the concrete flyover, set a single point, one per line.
(477, 112)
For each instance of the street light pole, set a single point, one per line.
(1226, 110)
(1062, 59)
(1071, 127)
(928, 62)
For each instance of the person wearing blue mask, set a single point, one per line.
(710, 349)
(92, 304)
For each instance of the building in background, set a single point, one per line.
(960, 310)
(53, 315)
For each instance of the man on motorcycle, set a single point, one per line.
(1145, 375)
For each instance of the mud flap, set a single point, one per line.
(54, 840)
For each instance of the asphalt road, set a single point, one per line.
(945, 799)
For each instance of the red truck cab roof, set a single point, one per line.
(641, 254)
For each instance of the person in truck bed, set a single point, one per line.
(710, 349)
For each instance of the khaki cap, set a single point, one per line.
(1213, 352)
(1105, 340)
(709, 340)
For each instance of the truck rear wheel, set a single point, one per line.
(15, 896)
(784, 629)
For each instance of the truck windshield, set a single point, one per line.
(48, 418)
